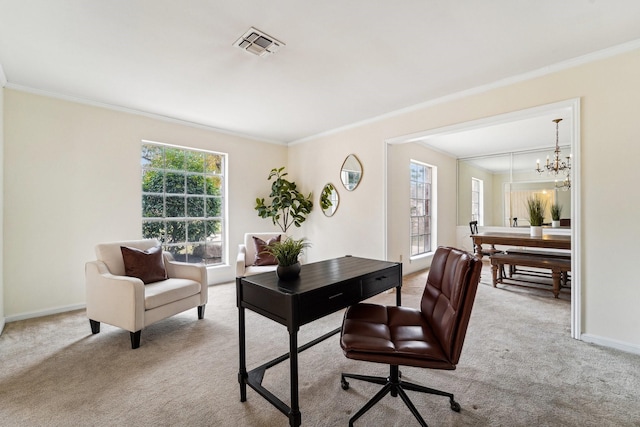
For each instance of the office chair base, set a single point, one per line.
(394, 385)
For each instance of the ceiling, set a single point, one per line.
(509, 144)
(343, 61)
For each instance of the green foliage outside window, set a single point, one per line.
(182, 201)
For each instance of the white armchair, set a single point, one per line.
(245, 263)
(127, 302)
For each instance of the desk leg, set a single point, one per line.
(295, 418)
(242, 372)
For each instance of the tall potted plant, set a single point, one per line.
(556, 211)
(287, 252)
(288, 205)
(536, 208)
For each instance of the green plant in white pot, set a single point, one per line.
(536, 207)
(287, 252)
(556, 212)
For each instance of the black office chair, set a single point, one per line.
(429, 337)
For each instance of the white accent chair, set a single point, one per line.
(126, 302)
(247, 255)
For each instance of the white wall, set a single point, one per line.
(608, 90)
(356, 228)
(72, 179)
(444, 213)
(3, 81)
(491, 214)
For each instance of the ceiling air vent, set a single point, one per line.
(256, 42)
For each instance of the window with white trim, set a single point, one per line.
(421, 208)
(477, 195)
(183, 201)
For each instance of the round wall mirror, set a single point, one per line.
(329, 200)
(351, 172)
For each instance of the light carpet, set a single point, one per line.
(519, 367)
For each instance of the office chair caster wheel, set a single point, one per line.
(344, 384)
(455, 406)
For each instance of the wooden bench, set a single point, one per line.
(535, 252)
(513, 269)
(558, 265)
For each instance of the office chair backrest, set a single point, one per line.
(448, 297)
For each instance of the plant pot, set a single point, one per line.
(536, 231)
(555, 224)
(288, 272)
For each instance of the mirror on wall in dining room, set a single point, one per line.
(351, 172)
(493, 189)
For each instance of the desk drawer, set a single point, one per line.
(328, 300)
(270, 304)
(379, 282)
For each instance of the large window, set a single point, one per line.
(476, 200)
(183, 201)
(421, 208)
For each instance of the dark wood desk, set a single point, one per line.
(323, 288)
(550, 241)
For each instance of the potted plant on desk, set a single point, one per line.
(287, 253)
(536, 208)
(556, 211)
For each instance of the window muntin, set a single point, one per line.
(183, 201)
(421, 208)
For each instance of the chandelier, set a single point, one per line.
(557, 166)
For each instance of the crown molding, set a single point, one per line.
(564, 65)
(560, 66)
(133, 111)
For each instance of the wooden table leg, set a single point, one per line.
(494, 272)
(478, 250)
(555, 275)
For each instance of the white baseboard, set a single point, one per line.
(608, 342)
(47, 312)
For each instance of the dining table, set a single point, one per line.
(547, 241)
